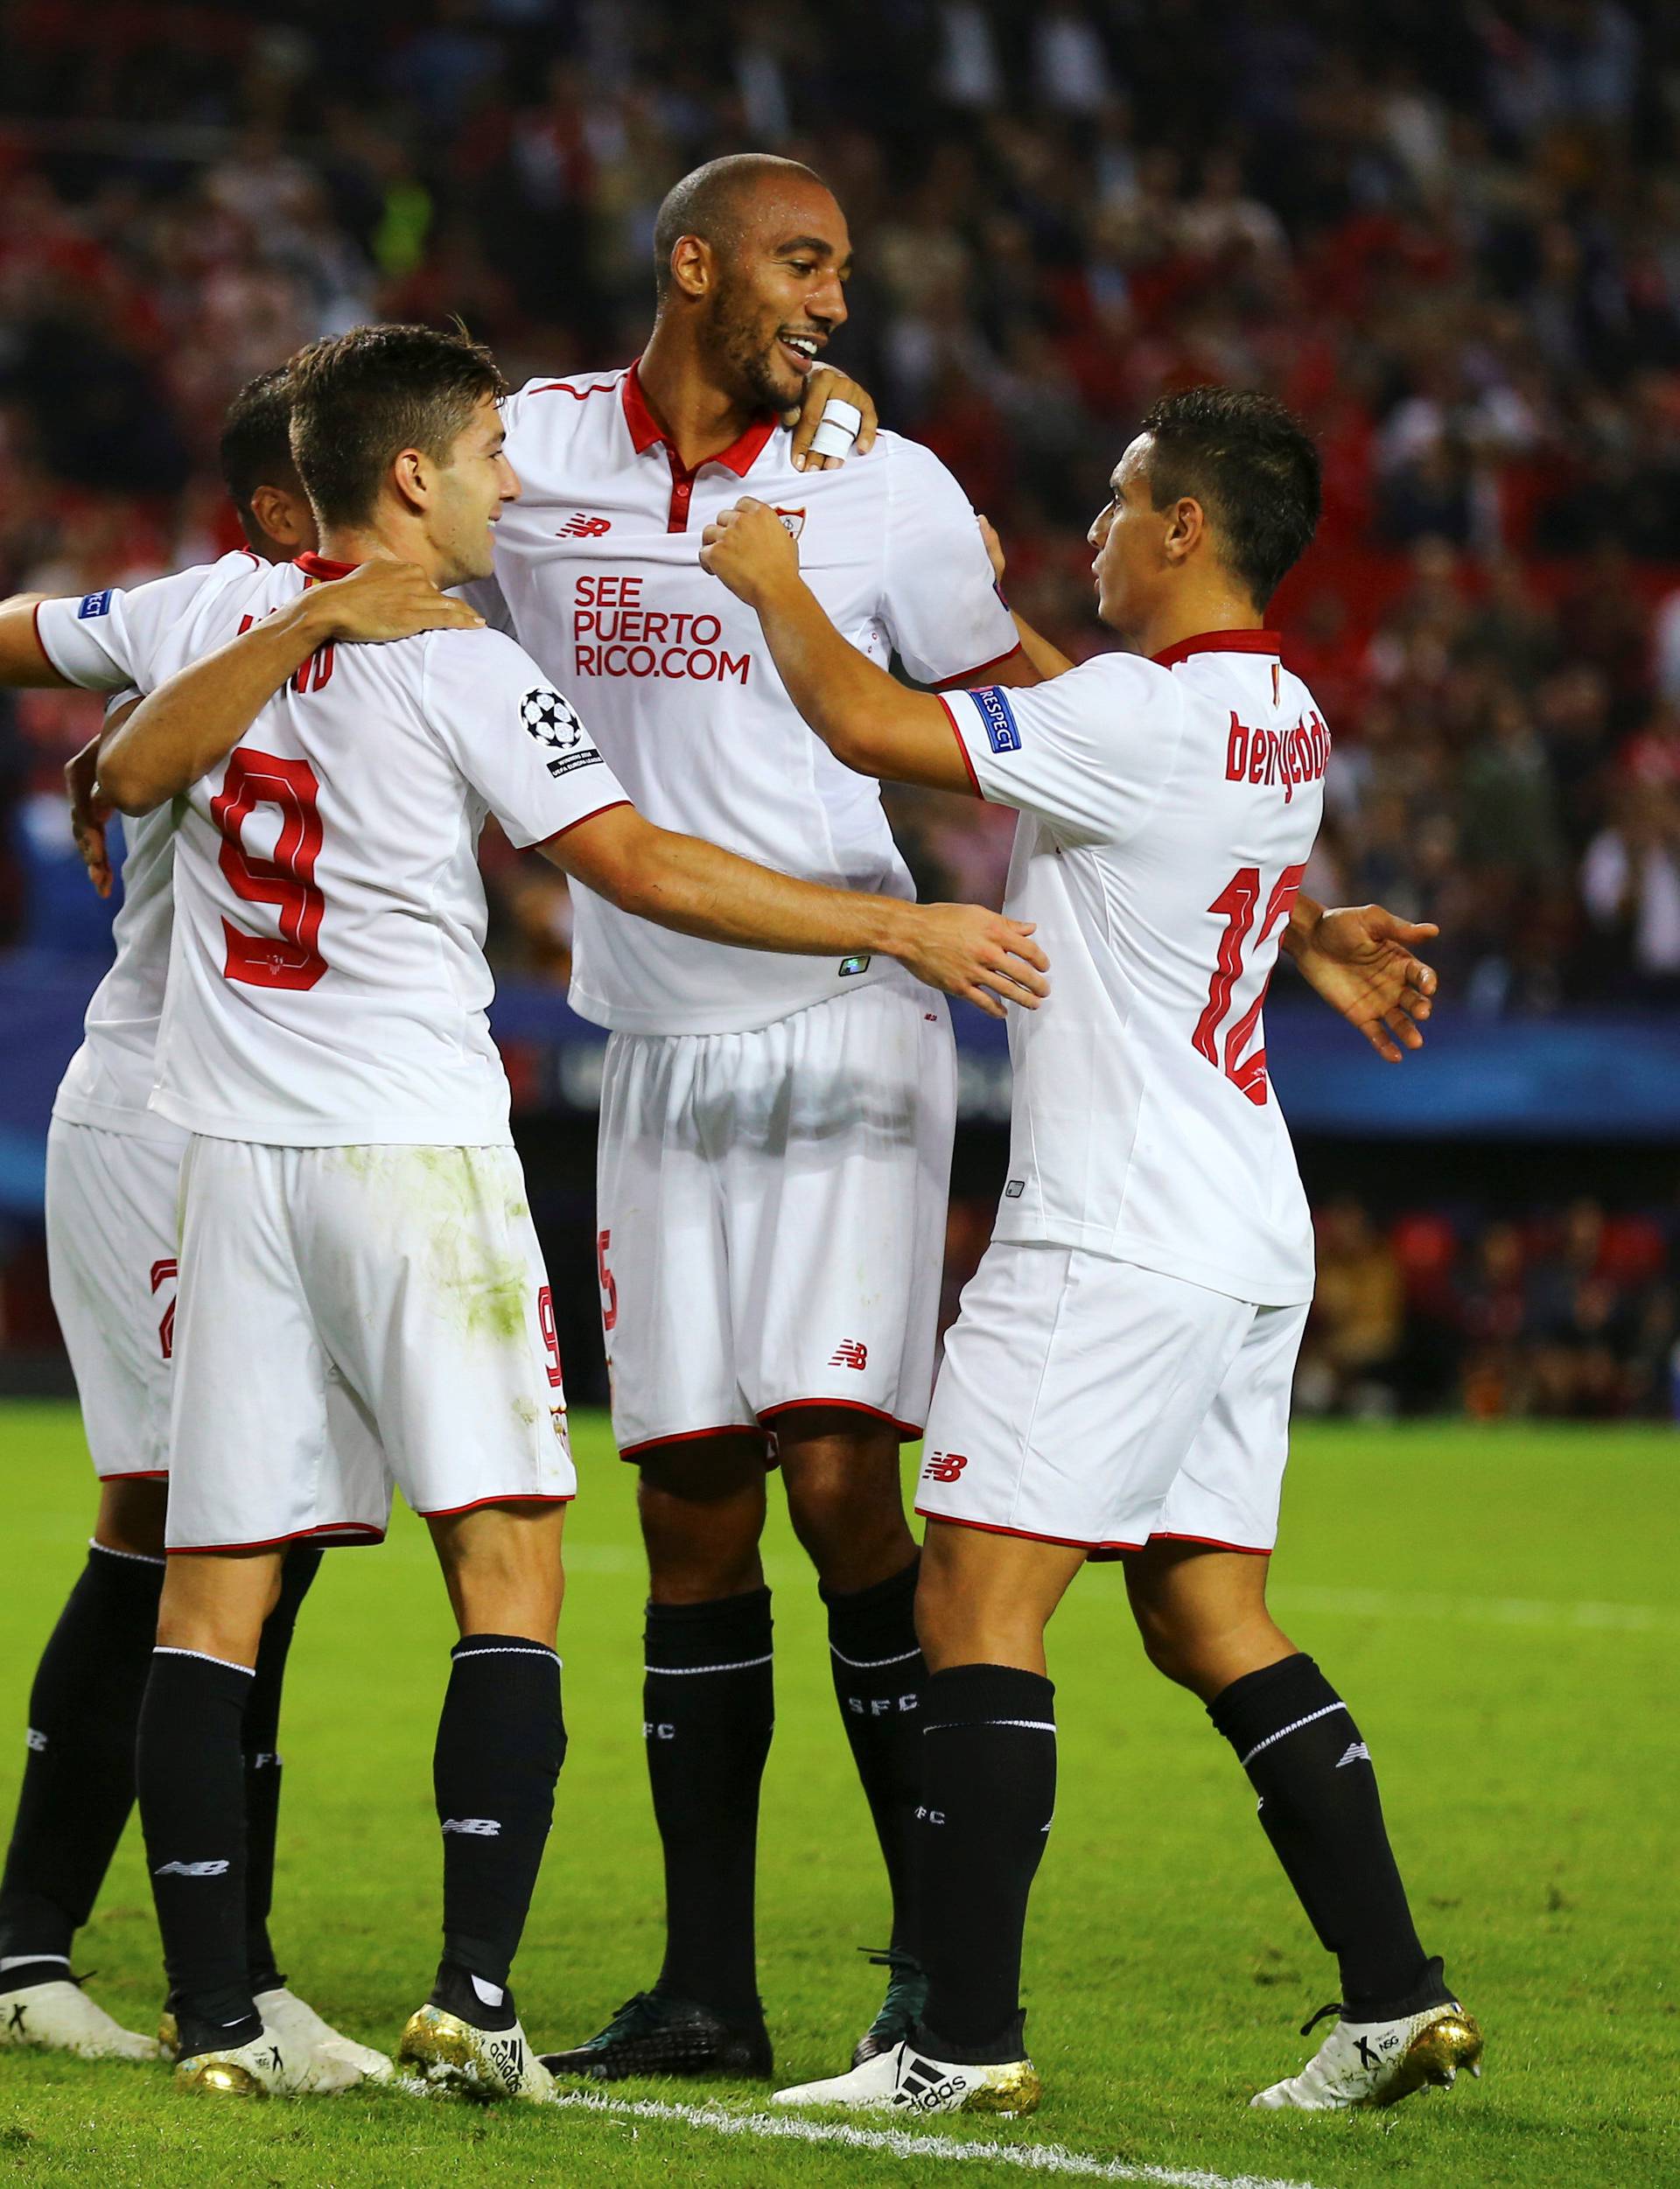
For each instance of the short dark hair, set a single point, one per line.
(357, 399)
(708, 202)
(255, 446)
(1251, 464)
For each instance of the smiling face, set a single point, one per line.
(777, 291)
(466, 495)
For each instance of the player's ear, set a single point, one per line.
(412, 476)
(694, 270)
(1186, 528)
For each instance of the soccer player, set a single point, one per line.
(1117, 1382)
(361, 1297)
(113, 1174)
(776, 1132)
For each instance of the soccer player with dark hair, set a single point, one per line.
(113, 1178)
(362, 1301)
(1117, 1382)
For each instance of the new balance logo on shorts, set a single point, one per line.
(945, 1467)
(850, 1353)
(475, 1827)
(583, 528)
(190, 1870)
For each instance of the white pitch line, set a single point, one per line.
(1034, 2158)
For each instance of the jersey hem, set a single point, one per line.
(502, 1497)
(426, 1132)
(121, 1118)
(541, 843)
(962, 743)
(601, 1013)
(907, 1432)
(1254, 1290)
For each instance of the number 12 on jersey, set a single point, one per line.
(1236, 905)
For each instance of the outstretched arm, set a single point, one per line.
(1361, 960)
(23, 657)
(700, 889)
(191, 722)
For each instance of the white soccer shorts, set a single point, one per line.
(110, 1258)
(772, 1217)
(353, 1318)
(1090, 1401)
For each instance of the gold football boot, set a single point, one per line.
(1379, 2063)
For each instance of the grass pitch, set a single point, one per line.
(1498, 1605)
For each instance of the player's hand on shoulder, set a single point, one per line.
(385, 599)
(89, 811)
(994, 546)
(971, 952)
(824, 385)
(751, 549)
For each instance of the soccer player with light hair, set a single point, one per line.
(1117, 1381)
(362, 1302)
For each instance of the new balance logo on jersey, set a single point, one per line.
(583, 528)
(945, 1467)
(1002, 731)
(474, 1827)
(850, 1354)
(190, 1870)
(1356, 1753)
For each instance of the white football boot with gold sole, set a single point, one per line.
(449, 2054)
(1379, 2063)
(907, 2080)
(59, 2017)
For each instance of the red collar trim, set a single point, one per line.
(646, 432)
(313, 566)
(1221, 642)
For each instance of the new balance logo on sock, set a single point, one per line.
(191, 1870)
(475, 1827)
(1355, 1753)
(34, 1741)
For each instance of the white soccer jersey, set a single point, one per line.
(92, 641)
(1167, 811)
(327, 981)
(598, 564)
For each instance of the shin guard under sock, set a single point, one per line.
(708, 1708)
(190, 1770)
(1318, 1807)
(84, 1712)
(501, 1740)
(989, 1789)
(878, 1676)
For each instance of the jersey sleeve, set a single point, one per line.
(1087, 752)
(938, 600)
(106, 639)
(519, 742)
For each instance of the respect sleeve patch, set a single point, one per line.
(94, 604)
(1002, 730)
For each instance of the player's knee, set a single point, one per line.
(700, 1549)
(132, 1513)
(851, 1526)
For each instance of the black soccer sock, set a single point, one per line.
(989, 1789)
(878, 1676)
(78, 1786)
(501, 1740)
(191, 1782)
(263, 1766)
(1319, 1805)
(708, 1708)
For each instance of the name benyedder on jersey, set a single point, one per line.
(615, 634)
(1271, 757)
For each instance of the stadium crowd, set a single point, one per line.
(1449, 237)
